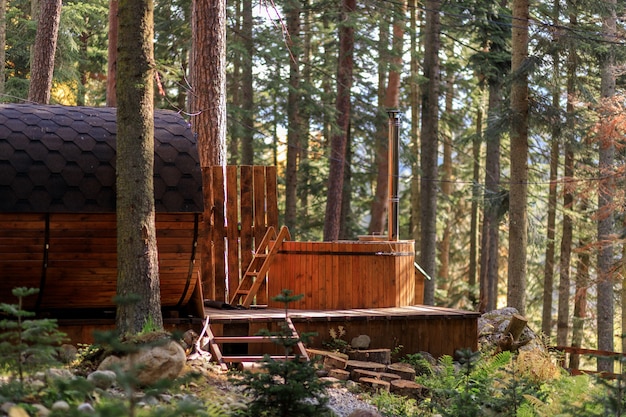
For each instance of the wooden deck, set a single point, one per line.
(437, 330)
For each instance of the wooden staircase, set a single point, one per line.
(223, 360)
(256, 273)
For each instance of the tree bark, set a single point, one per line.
(518, 194)
(606, 308)
(493, 204)
(430, 142)
(381, 156)
(3, 42)
(247, 88)
(111, 100)
(208, 75)
(42, 65)
(473, 251)
(446, 190)
(339, 139)
(208, 109)
(138, 269)
(562, 329)
(415, 131)
(580, 299)
(294, 128)
(548, 275)
(235, 86)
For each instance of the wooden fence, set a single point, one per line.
(242, 205)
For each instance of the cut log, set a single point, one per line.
(340, 374)
(516, 326)
(254, 367)
(388, 376)
(375, 384)
(370, 366)
(511, 337)
(358, 373)
(332, 361)
(322, 353)
(409, 389)
(372, 355)
(404, 370)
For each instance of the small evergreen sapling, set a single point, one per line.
(287, 387)
(27, 344)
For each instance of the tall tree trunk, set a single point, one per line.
(381, 138)
(548, 274)
(208, 109)
(345, 230)
(446, 189)
(580, 297)
(83, 45)
(339, 139)
(391, 100)
(208, 75)
(234, 83)
(415, 141)
(247, 89)
(42, 65)
(137, 256)
(562, 327)
(493, 204)
(473, 252)
(548, 277)
(294, 129)
(3, 42)
(304, 166)
(518, 195)
(111, 99)
(605, 198)
(430, 143)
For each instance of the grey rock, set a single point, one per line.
(67, 353)
(361, 342)
(102, 379)
(86, 408)
(41, 410)
(60, 406)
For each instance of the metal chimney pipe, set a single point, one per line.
(394, 173)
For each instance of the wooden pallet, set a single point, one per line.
(224, 360)
(256, 273)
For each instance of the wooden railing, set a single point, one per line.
(569, 351)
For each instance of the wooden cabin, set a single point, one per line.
(58, 234)
(57, 210)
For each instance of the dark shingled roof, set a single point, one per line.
(62, 159)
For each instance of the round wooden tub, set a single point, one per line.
(347, 274)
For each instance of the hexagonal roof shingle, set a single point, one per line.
(68, 155)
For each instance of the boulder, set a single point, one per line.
(151, 363)
(492, 330)
(361, 342)
(102, 379)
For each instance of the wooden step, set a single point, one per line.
(250, 339)
(223, 360)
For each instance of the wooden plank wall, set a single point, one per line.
(243, 203)
(72, 258)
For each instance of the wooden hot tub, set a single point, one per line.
(347, 274)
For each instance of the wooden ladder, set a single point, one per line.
(257, 270)
(224, 360)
